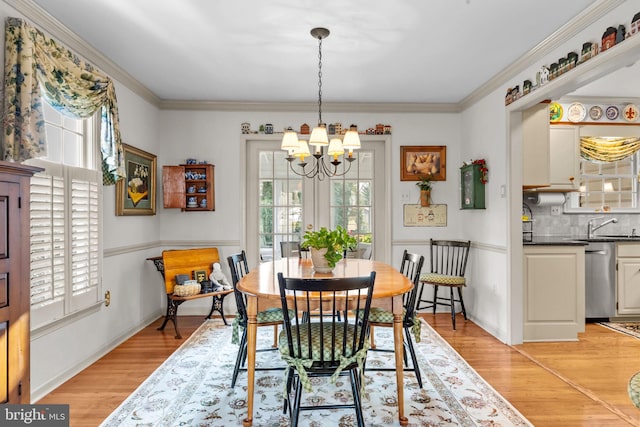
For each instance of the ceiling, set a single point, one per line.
(400, 51)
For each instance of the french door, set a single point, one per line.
(281, 205)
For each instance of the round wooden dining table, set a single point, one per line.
(262, 291)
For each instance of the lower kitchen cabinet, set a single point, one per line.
(628, 279)
(554, 304)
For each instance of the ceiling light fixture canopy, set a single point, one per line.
(299, 148)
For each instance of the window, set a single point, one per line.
(609, 166)
(609, 186)
(66, 215)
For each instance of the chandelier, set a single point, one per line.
(319, 139)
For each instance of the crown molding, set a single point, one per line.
(47, 23)
(349, 107)
(571, 28)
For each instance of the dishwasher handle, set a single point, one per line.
(597, 252)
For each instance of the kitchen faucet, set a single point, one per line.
(592, 228)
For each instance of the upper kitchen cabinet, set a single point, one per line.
(535, 147)
(564, 158)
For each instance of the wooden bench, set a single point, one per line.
(185, 261)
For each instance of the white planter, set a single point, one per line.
(320, 263)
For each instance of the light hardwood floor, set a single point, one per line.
(564, 384)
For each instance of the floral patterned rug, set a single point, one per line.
(192, 388)
(628, 328)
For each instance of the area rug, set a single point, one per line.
(627, 328)
(192, 388)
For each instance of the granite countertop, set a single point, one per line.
(556, 241)
(578, 240)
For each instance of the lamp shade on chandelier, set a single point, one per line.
(298, 149)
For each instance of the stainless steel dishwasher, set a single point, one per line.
(600, 280)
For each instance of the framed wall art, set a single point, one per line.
(421, 160)
(136, 192)
(431, 216)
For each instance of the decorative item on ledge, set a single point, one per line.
(473, 177)
(611, 37)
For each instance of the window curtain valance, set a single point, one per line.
(36, 66)
(608, 149)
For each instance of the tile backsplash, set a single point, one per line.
(545, 224)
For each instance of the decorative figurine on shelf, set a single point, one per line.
(543, 76)
(218, 278)
(608, 39)
(246, 128)
(268, 128)
(635, 24)
(304, 129)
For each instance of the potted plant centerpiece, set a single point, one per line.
(425, 190)
(327, 246)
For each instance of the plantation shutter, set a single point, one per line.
(47, 245)
(65, 241)
(85, 229)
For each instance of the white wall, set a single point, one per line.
(137, 297)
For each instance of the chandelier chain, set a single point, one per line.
(320, 81)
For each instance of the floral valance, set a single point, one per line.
(38, 67)
(608, 149)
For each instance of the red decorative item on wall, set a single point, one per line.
(483, 170)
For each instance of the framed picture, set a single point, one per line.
(200, 275)
(421, 160)
(136, 192)
(431, 216)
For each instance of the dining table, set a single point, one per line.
(261, 288)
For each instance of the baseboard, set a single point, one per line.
(57, 381)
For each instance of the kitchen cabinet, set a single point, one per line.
(554, 304)
(15, 283)
(535, 147)
(189, 187)
(628, 278)
(564, 158)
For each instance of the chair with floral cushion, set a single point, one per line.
(411, 267)
(324, 346)
(448, 266)
(270, 317)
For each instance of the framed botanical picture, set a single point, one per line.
(136, 192)
(420, 160)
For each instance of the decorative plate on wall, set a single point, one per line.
(612, 112)
(555, 112)
(595, 112)
(576, 112)
(630, 113)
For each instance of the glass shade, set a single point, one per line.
(319, 136)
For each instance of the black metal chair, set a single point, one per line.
(411, 267)
(448, 265)
(271, 317)
(326, 347)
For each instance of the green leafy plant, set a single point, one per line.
(425, 182)
(336, 241)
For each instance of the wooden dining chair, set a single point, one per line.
(448, 266)
(411, 267)
(324, 346)
(270, 317)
